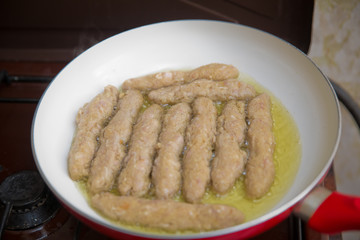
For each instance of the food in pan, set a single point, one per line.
(213, 71)
(134, 178)
(200, 138)
(113, 139)
(205, 143)
(229, 161)
(167, 214)
(260, 169)
(166, 172)
(90, 121)
(215, 90)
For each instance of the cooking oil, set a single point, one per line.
(287, 157)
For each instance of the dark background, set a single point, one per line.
(58, 30)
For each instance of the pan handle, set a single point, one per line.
(330, 212)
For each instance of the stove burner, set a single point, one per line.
(22, 189)
(28, 200)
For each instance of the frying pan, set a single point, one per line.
(278, 66)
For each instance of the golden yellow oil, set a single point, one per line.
(287, 157)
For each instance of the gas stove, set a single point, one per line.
(29, 209)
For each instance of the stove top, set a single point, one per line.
(33, 212)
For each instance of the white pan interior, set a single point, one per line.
(275, 64)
